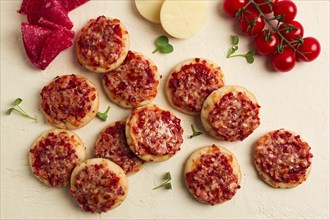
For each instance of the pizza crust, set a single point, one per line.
(89, 58)
(266, 177)
(210, 64)
(194, 160)
(145, 96)
(134, 143)
(75, 142)
(212, 100)
(136, 161)
(72, 124)
(113, 167)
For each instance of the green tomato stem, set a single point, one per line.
(273, 28)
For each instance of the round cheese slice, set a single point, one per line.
(150, 9)
(182, 19)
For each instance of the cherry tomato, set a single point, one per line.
(231, 6)
(251, 23)
(292, 30)
(266, 45)
(285, 61)
(311, 49)
(266, 5)
(287, 9)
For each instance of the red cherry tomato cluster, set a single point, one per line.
(282, 40)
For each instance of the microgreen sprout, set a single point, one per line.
(249, 56)
(163, 45)
(103, 116)
(166, 184)
(19, 110)
(195, 133)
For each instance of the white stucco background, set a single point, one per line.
(297, 100)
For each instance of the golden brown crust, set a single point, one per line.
(212, 100)
(131, 164)
(123, 181)
(143, 91)
(69, 122)
(179, 68)
(265, 143)
(134, 144)
(102, 54)
(194, 161)
(75, 142)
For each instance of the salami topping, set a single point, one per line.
(231, 113)
(134, 83)
(153, 134)
(54, 155)
(51, 10)
(23, 8)
(58, 41)
(98, 185)
(69, 101)
(34, 38)
(112, 145)
(67, 4)
(283, 159)
(43, 44)
(102, 44)
(191, 82)
(212, 175)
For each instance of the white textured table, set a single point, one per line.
(298, 101)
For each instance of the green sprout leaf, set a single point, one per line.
(103, 116)
(162, 41)
(234, 40)
(17, 101)
(234, 45)
(163, 45)
(9, 111)
(249, 56)
(166, 184)
(19, 110)
(195, 133)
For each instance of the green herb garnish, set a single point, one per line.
(195, 133)
(19, 110)
(103, 116)
(163, 45)
(249, 56)
(166, 184)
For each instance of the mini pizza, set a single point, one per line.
(283, 159)
(98, 185)
(69, 101)
(153, 134)
(112, 144)
(230, 113)
(102, 44)
(212, 175)
(54, 155)
(190, 83)
(134, 83)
